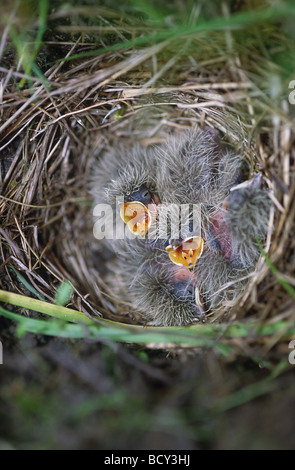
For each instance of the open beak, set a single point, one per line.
(187, 253)
(137, 216)
(255, 182)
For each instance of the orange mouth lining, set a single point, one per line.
(137, 217)
(187, 253)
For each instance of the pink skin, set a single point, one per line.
(220, 231)
(218, 228)
(181, 273)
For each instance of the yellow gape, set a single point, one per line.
(137, 217)
(187, 253)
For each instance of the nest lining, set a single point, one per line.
(51, 138)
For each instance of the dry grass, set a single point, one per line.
(53, 127)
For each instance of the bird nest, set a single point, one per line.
(56, 125)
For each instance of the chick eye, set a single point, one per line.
(184, 291)
(190, 292)
(142, 194)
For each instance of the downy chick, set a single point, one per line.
(197, 170)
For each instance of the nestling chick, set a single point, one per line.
(164, 293)
(128, 177)
(128, 174)
(173, 273)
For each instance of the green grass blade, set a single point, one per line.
(28, 54)
(214, 336)
(27, 284)
(43, 12)
(255, 390)
(274, 270)
(46, 308)
(234, 21)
